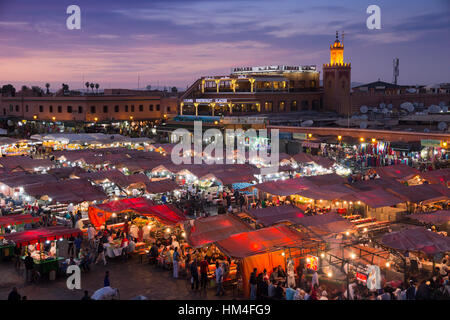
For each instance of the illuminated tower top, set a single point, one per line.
(337, 52)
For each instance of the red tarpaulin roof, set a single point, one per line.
(417, 239)
(41, 235)
(259, 241)
(437, 217)
(273, 215)
(398, 171)
(202, 231)
(17, 219)
(167, 214)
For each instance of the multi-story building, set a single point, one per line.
(111, 105)
(254, 90)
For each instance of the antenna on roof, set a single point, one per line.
(396, 70)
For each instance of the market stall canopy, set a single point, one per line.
(26, 179)
(384, 183)
(326, 179)
(441, 176)
(66, 191)
(260, 241)
(203, 231)
(114, 176)
(327, 223)
(417, 239)
(167, 214)
(41, 235)
(26, 163)
(398, 171)
(274, 215)
(65, 172)
(302, 158)
(17, 219)
(283, 187)
(420, 193)
(437, 217)
(376, 198)
(323, 193)
(161, 186)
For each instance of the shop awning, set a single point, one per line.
(167, 214)
(17, 219)
(417, 239)
(203, 231)
(260, 241)
(41, 235)
(274, 215)
(437, 217)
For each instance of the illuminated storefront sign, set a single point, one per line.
(299, 136)
(430, 143)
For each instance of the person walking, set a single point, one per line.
(176, 258)
(253, 284)
(219, 280)
(70, 249)
(106, 282)
(194, 275)
(78, 241)
(91, 236)
(29, 266)
(203, 273)
(14, 295)
(101, 253)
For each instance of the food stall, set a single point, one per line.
(268, 248)
(36, 240)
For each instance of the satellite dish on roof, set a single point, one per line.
(389, 106)
(445, 109)
(364, 109)
(434, 109)
(442, 126)
(408, 106)
(411, 90)
(416, 104)
(307, 123)
(442, 103)
(385, 111)
(363, 125)
(382, 105)
(426, 130)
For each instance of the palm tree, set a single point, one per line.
(97, 86)
(87, 85)
(92, 86)
(47, 85)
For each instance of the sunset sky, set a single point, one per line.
(174, 42)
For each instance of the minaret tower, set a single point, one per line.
(337, 80)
